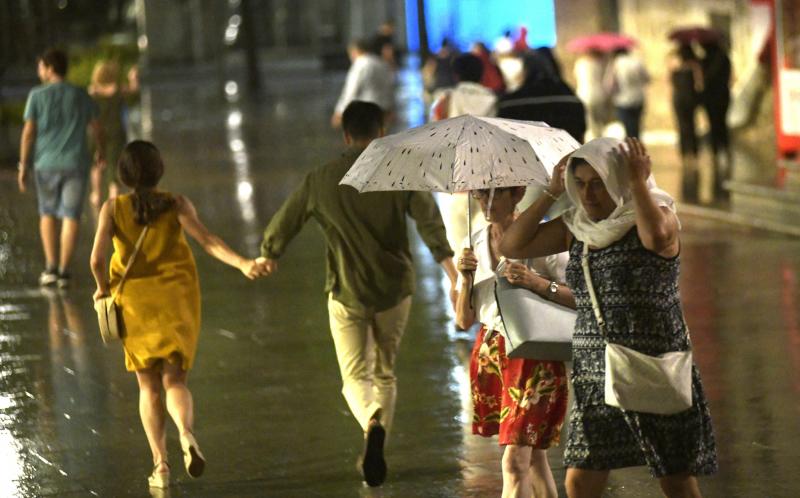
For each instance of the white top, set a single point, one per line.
(551, 267)
(589, 80)
(472, 98)
(369, 79)
(630, 78)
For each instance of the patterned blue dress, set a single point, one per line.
(638, 295)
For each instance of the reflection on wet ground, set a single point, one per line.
(269, 413)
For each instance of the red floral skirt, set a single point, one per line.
(522, 400)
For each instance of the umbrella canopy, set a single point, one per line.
(602, 42)
(461, 154)
(700, 34)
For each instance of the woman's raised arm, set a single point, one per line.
(528, 237)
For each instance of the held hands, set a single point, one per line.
(636, 160)
(259, 267)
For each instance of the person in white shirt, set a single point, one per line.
(369, 79)
(523, 401)
(589, 72)
(467, 97)
(626, 81)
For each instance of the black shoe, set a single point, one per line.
(373, 466)
(63, 280)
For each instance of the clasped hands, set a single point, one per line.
(259, 267)
(516, 273)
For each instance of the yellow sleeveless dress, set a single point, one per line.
(160, 298)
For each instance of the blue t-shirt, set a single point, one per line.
(61, 112)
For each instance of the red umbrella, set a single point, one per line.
(603, 42)
(700, 34)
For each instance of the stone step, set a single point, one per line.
(775, 206)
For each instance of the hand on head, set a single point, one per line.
(635, 160)
(556, 186)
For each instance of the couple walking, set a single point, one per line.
(370, 280)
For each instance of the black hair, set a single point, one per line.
(468, 67)
(140, 168)
(574, 162)
(686, 52)
(363, 45)
(56, 59)
(362, 120)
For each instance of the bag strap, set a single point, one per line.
(598, 315)
(136, 249)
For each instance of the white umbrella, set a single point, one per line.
(461, 154)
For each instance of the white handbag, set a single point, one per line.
(534, 327)
(638, 382)
(109, 316)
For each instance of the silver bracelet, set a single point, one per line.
(550, 194)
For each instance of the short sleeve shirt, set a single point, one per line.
(61, 112)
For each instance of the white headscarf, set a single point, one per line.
(601, 156)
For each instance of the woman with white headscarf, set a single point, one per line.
(631, 229)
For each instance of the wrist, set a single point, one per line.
(22, 166)
(639, 184)
(552, 193)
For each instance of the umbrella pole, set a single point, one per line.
(469, 237)
(469, 219)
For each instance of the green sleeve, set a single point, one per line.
(287, 222)
(422, 207)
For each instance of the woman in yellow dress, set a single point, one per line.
(160, 302)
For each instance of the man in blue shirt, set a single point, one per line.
(54, 142)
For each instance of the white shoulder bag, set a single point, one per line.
(638, 382)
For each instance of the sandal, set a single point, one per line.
(159, 479)
(193, 459)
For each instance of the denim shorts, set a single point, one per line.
(61, 192)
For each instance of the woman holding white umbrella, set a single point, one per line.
(521, 400)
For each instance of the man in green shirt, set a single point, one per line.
(370, 274)
(57, 115)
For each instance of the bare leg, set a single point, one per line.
(151, 410)
(582, 483)
(69, 239)
(680, 486)
(179, 399)
(517, 472)
(544, 486)
(96, 193)
(48, 230)
(181, 408)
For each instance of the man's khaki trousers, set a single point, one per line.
(366, 346)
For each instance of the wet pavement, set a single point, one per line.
(270, 417)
